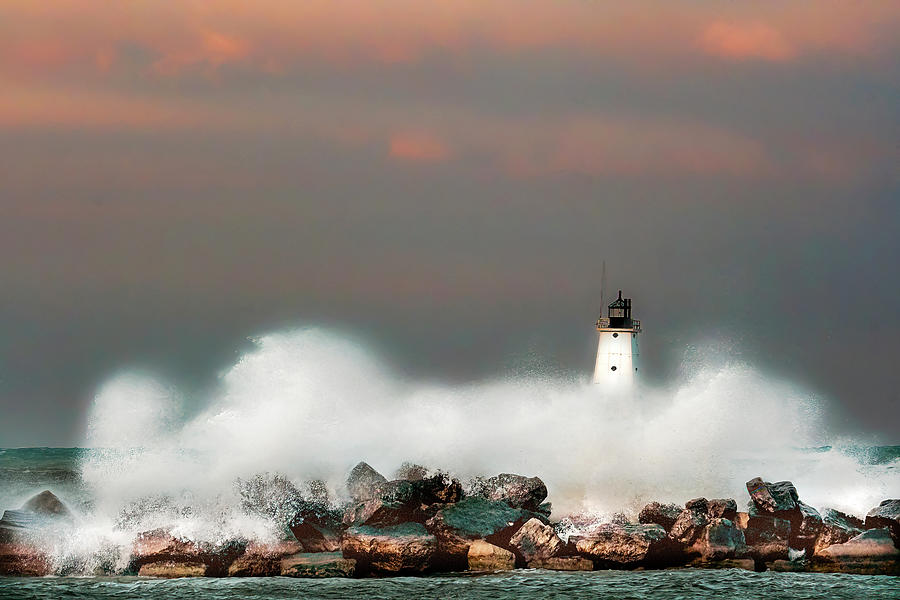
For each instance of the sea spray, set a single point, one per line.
(310, 404)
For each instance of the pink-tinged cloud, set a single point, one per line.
(273, 36)
(418, 147)
(743, 41)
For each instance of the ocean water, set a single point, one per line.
(727, 584)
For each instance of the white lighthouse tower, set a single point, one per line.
(617, 350)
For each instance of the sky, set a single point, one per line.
(444, 180)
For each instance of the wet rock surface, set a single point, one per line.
(837, 528)
(661, 514)
(317, 526)
(484, 556)
(516, 490)
(886, 514)
(535, 540)
(623, 546)
(363, 482)
(425, 523)
(317, 565)
(397, 549)
(458, 525)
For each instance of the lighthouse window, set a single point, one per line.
(615, 335)
(613, 368)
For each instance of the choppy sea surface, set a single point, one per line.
(638, 585)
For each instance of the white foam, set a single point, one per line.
(310, 404)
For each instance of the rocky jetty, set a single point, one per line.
(424, 521)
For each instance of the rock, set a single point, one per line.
(690, 523)
(23, 560)
(837, 528)
(42, 511)
(535, 540)
(886, 514)
(404, 501)
(317, 566)
(722, 508)
(562, 563)
(623, 545)
(661, 514)
(806, 524)
(483, 556)
(772, 497)
(871, 552)
(873, 543)
(701, 504)
(456, 526)
(441, 489)
(363, 482)
(767, 536)
(317, 526)
(782, 501)
(741, 520)
(159, 546)
(262, 560)
(719, 540)
(171, 570)
(747, 564)
(16, 524)
(406, 548)
(516, 490)
(47, 504)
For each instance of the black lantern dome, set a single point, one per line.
(620, 313)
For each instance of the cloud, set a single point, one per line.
(755, 41)
(418, 147)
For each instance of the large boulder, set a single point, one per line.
(404, 501)
(624, 546)
(886, 514)
(767, 536)
(317, 566)
(782, 501)
(456, 526)
(722, 508)
(483, 556)
(770, 498)
(363, 482)
(317, 526)
(690, 522)
(41, 511)
(262, 560)
(871, 552)
(661, 514)
(516, 490)
(24, 560)
(406, 548)
(721, 539)
(47, 504)
(160, 546)
(806, 524)
(837, 528)
(535, 540)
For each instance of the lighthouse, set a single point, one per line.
(617, 349)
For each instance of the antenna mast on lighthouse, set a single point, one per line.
(602, 285)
